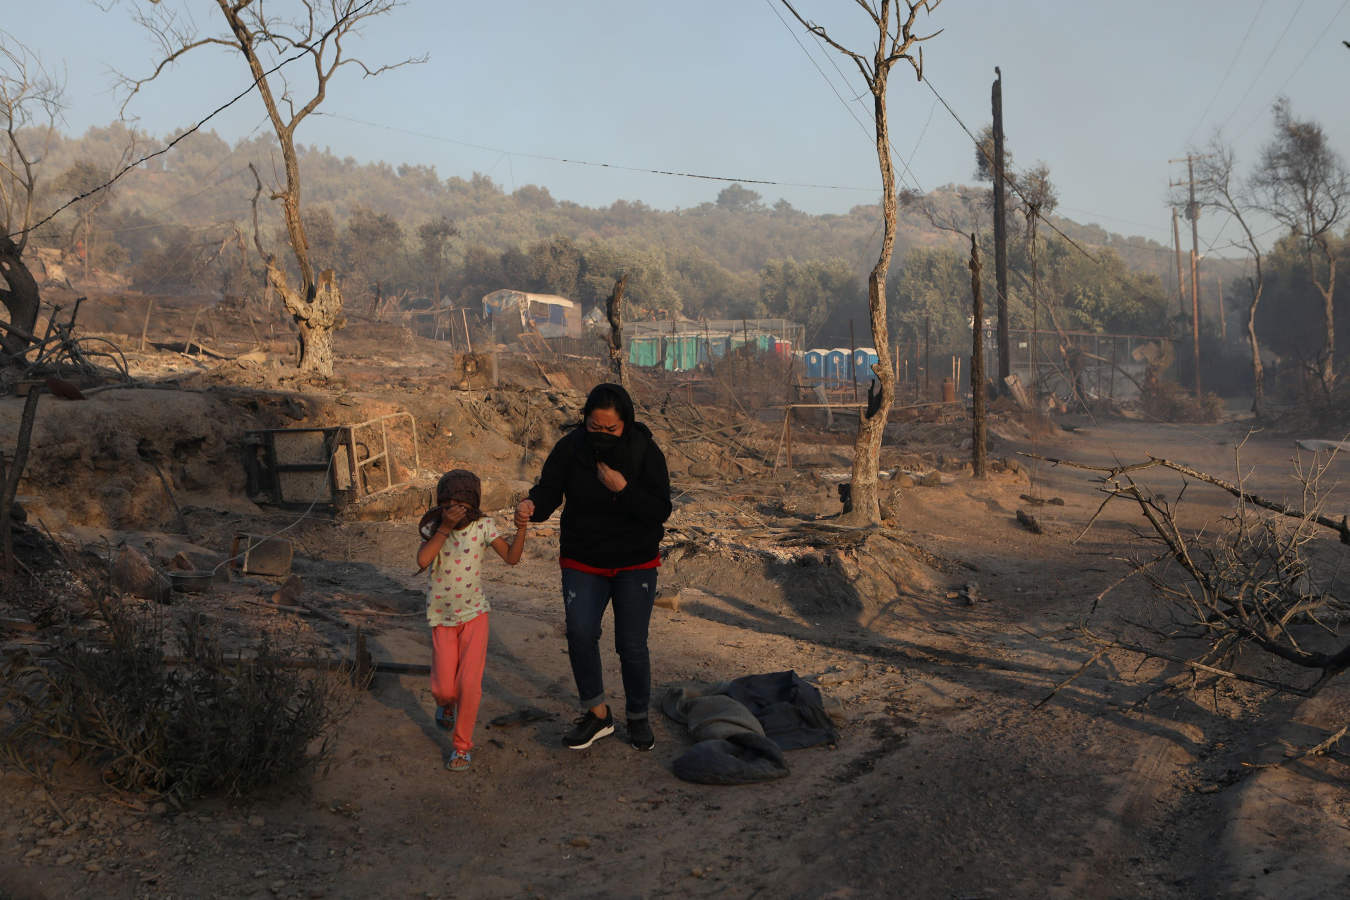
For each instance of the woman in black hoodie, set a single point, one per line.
(614, 479)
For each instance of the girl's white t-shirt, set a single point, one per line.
(455, 591)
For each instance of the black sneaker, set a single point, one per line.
(588, 729)
(640, 734)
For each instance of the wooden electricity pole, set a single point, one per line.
(1193, 213)
(1181, 281)
(1000, 237)
(978, 446)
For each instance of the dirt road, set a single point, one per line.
(947, 781)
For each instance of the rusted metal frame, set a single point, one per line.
(359, 466)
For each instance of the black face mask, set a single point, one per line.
(604, 446)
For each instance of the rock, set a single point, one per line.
(159, 809)
(133, 573)
(256, 821)
(668, 601)
(580, 842)
(704, 469)
(65, 859)
(689, 595)
(290, 591)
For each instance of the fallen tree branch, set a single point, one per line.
(1342, 528)
(1311, 751)
(1198, 666)
(1065, 683)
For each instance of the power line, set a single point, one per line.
(849, 109)
(791, 31)
(169, 146)
(1012, 183)
(1307, 53)
(1224, 80)
(1261, 71)
(601, 165)
(932, 109)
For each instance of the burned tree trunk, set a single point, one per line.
(9, 479)
(895, 40)
(21, 298)
(1258, 370)
(614, 312)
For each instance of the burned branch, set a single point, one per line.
(315, 304)
(1256, 585)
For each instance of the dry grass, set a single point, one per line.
(177, 726)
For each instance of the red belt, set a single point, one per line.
(566, 563)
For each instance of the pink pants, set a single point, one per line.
(458, 656)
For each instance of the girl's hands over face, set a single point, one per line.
(452, 514)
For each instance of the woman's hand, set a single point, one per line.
(524, 510)
(610, 478)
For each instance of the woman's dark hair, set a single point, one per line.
(609, 396)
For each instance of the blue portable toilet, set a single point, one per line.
(863, 359)
(814, 360)
(839, 365)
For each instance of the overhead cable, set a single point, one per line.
(173, 143)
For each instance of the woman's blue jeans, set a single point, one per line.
(585, 596)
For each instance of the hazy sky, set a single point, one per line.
(1103, 93)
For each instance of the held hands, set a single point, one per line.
(524, 510)
(610, 478)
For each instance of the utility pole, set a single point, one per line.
(1181, 282)
(1193, 213)
(1000, 237)
(979, 429)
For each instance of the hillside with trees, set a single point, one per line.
(182, 223)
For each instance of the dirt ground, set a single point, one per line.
(932, 639)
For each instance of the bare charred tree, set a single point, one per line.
(1216, 186)
(614, 313)
(30, 100)
(267, 40)
(1305, 185)
(893, 21)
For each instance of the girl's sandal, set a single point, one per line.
(459, 761)
(445, 717)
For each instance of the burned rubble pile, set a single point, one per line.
(210, 507)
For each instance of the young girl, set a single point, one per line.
(455, 537)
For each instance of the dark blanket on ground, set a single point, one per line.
(743, 726)
(791, 711)
(743, 758)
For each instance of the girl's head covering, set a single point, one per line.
(455, 486)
